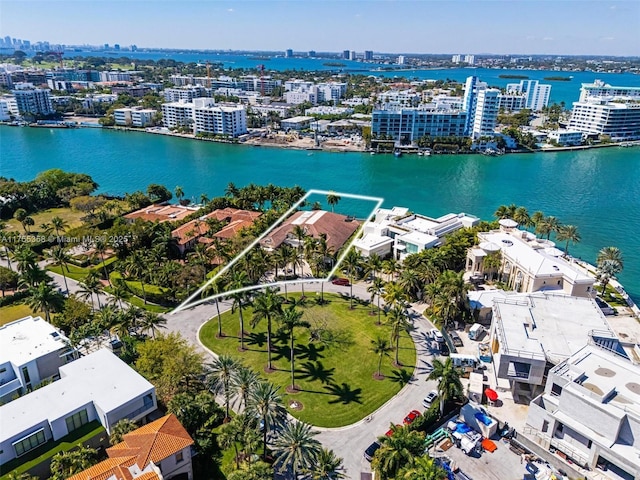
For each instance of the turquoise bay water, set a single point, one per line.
(597, 190)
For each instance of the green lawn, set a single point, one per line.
(336, 383)
(79, 273)
(14, 312)
(72, 217)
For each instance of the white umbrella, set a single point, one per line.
(553, 251)
(508, 223)
(489, 247)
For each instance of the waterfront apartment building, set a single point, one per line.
(115, 76)
(485, 113)
(456, 58)
(599, 89)
(368, 55)
(398, 98)
(134, 116)
(185, 93)
(221, 120)
(589, 412)
(512, 102)
(470, 59)
(409, 124)
(537, 94)
(34, 101)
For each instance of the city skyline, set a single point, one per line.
(525, 26)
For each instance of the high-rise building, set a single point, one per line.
(472, 86)
(352, 55)
(401, 59)
(345, 54)
(455, 58)
(288, 53)
(368, 55)
(35, 101)
(606, 110)
(470, 59)
(410, 124)
(312, 53)
(537, 94)
(485, 113)
(203, 115)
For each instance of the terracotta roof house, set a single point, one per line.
(189, 233)
(161, 213)
(337, 229)
(159, 450)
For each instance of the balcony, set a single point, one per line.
(138, 411)
(9, 387)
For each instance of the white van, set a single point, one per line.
(476, 331)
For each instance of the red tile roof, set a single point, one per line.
(150, 443)
(199, 227)
(337, 228)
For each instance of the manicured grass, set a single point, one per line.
(14, 312)
(79, 273)
(72, 217)
(612, 297)
(336, 383)
(49, 449)
(150, 307)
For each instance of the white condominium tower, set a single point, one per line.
(537, 94)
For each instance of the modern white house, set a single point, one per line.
(589, 412)
(296, 123)
(399, 232)
(98, 387)
(566, 137)
(31, 352)
(527, 263)
(531, 332)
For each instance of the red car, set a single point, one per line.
(409, 419)
(341, 281)
(390, 431)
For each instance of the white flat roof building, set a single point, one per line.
(410, 233)
(529, 264)
(590, 411)
(528, 332)
(31, 351)
(99, 387)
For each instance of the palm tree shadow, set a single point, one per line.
(401, 376)
(256, 339)
(316, 372)
(310, 352)
(344, 394)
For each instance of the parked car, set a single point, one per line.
(429, 399)
(371, 450)
(390, 431)
(341, 281)
(455, 338)
(444, 349)
(409, 419)
(437, 335)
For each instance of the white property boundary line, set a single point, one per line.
(189, 302)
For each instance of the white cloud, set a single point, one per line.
(230, 10)
(547, 39)
(607, 39)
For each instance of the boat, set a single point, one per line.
(420, 154)
(372, 153)
(397, 153)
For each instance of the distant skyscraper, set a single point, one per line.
(312, 53)
(368, 55)
(455, 59)
(345, 54)
(400, 59)
(352, 55)
(116, 46)
(470, 59)
(288, 53)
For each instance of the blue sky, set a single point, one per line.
(453, 26)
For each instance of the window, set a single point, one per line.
(545, 425)
(29, 443)
(179, 457)
(77, 420)
(556, 389)
(519, 369)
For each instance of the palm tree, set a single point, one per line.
(58, 225)
(220, 372)
(449, 384)
(204, 199)
(119, 292)
(238, 281)
(89, 287)
(242, 382)
(376, 289)
(67, 464)
(399, 323)
(120, 429)
(265, 403)
(44, 298)
(295, 448)
(373, 265)
(327, 466)
(25, 258)
(152, 322)
(394, 295)
(332, 200)
(267, 306)
(59, 257)
(397, 451)
(352, 262)
(422, 468)
(380, 347)
(568, 233)
(410, 281)
(215, 288)
(521, 215)
(391, 267)
(610, 263)
(505, 211)
(610, 253)
(136, 267)
(230, 435)
(100, 248)
(179, 192)
(289, 320)
(536, 218)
